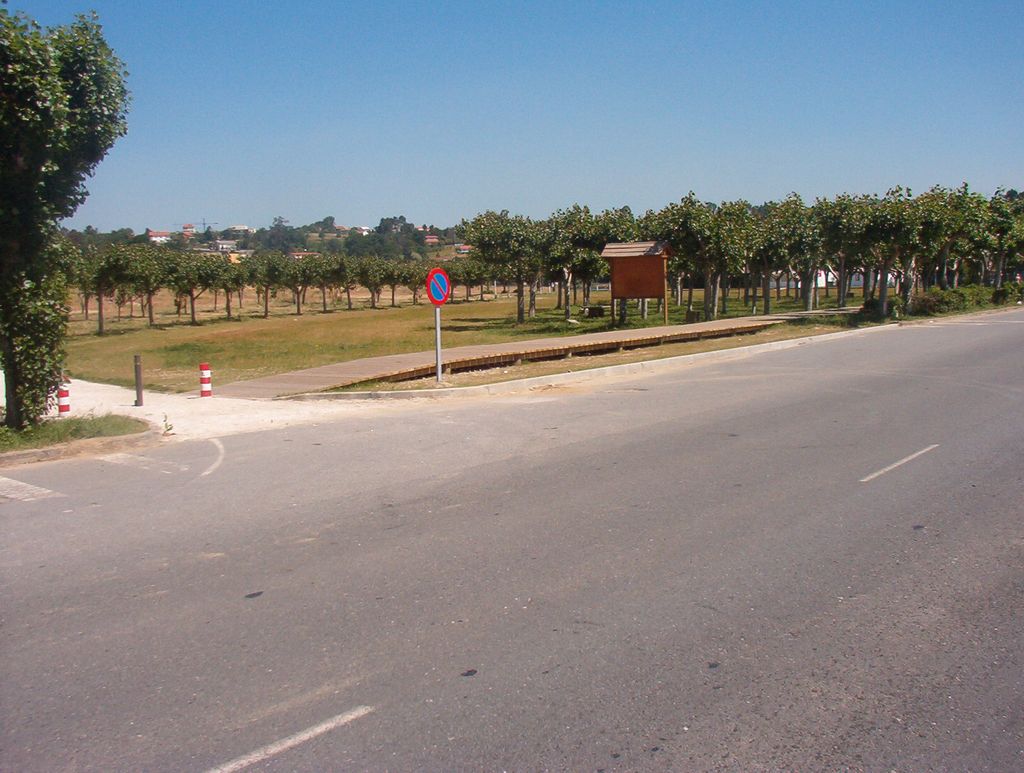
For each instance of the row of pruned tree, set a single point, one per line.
(942, 237)
(135, 273)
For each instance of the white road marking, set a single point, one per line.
(220, 458)
(271, 750)
(144, 463)
(24, 492)
(901, 462)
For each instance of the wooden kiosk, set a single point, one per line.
(639, 270)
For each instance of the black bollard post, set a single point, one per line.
(138, 380)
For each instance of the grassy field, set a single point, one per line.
(250, 346)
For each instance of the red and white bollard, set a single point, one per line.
(205, 380)
(63, 400)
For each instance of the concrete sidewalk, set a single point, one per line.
(190, 416)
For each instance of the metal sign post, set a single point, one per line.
(437, 339)
(439, 290)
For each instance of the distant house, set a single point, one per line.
(188, 230)
(225, 245)
(463, 249)
(239, 230)
(431, 241)
(158, 237)
(297, 255)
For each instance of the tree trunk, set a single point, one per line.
(192, 305)
(227, 302)
(323, 297)
(570, 280)
(533, 299)
(266, 302)
(840, 283)
(100, 322)
(149, 309)
(944, 268)
(806, 296)
(711, 289)
(766, 291)
(725, 295)
(907, 288)
(520, 300)
(297, 297)
(883, 288)
(558, 302)
(348, 297)
(689, 292)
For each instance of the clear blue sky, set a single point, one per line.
(245, 111)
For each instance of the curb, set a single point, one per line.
(591, 374)
(90, 445)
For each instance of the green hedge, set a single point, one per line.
(937, 301)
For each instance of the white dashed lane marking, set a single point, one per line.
(24, 492)
(900, 463)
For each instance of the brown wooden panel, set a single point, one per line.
(639, 277)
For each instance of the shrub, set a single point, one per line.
(936, 301)
(1012, 292)
(872, 309)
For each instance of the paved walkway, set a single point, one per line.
(396, 367)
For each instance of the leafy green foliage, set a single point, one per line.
(62, 106)
(965, 298)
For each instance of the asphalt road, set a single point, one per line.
(714, 568)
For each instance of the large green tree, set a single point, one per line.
(893, 226)
(946, 218)
(62, 105)
(505, 242)
(1005, 231)
(689, 227)
(842, 223)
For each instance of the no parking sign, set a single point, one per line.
(439, 286)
